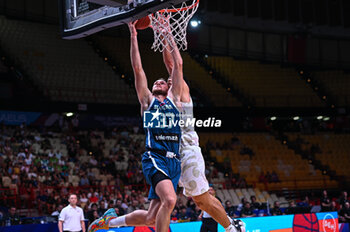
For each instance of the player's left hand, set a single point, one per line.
(132, 28)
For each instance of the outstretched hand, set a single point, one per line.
(132, 28)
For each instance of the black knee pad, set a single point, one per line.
(158, 177)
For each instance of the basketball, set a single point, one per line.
(305, 222)
(143, 23)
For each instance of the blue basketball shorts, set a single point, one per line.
(153, 163)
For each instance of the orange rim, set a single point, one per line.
(180, 9)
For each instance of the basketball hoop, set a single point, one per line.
(174, 20)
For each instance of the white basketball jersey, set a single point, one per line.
(189, 136)
(206, 215)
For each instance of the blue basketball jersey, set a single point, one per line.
(162, 131)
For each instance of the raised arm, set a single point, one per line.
(177, 72)
(143, 93)
(168, 61)
(169, 64)
(167, 58)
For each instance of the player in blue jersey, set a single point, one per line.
(161, 161)
(192, 177)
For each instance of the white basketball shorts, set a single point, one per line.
(193, 171)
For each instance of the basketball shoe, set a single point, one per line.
(239, 225)
(102, 222)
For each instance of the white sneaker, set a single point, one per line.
(239, 225)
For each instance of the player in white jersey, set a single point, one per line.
(192, 163)
(192, 172)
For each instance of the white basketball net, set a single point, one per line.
(174, 20)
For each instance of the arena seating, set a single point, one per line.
(110, 159)
(269, 85)
(72, 71)
(337, 82)
(64, 70)
(236, 195)
(334, 149)
(53, 156)
(269, 155)
(119, 50)
(154, 68)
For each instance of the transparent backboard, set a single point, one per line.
(80, 18)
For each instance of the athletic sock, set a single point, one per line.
(116, 222)
(229, 218)
(230, 228)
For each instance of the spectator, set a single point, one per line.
(84, 181)
(243, 201)
(133, 207)
(325, 202)
(58, 211)
(247, 211)
(6, 181)
(12, 218)
(174, 216)
(94, 198)
(292, 209)
(21, 153)
(102, 207)
(304, 205)
(343, 198)
(275, 211)
(182, 216)
(111, 205)
(195, 215)
(333, 207)
(191, 206)
(90, 213)
(119, 206)
(83, 200)
(344, 213)
(229, 208)
(304, 202)
(28, 159)
(254, 203)
(95, 215)
(242, 204)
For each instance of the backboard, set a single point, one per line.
(80, 18)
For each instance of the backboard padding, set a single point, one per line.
(80, 18)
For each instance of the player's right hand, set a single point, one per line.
(132, 28)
